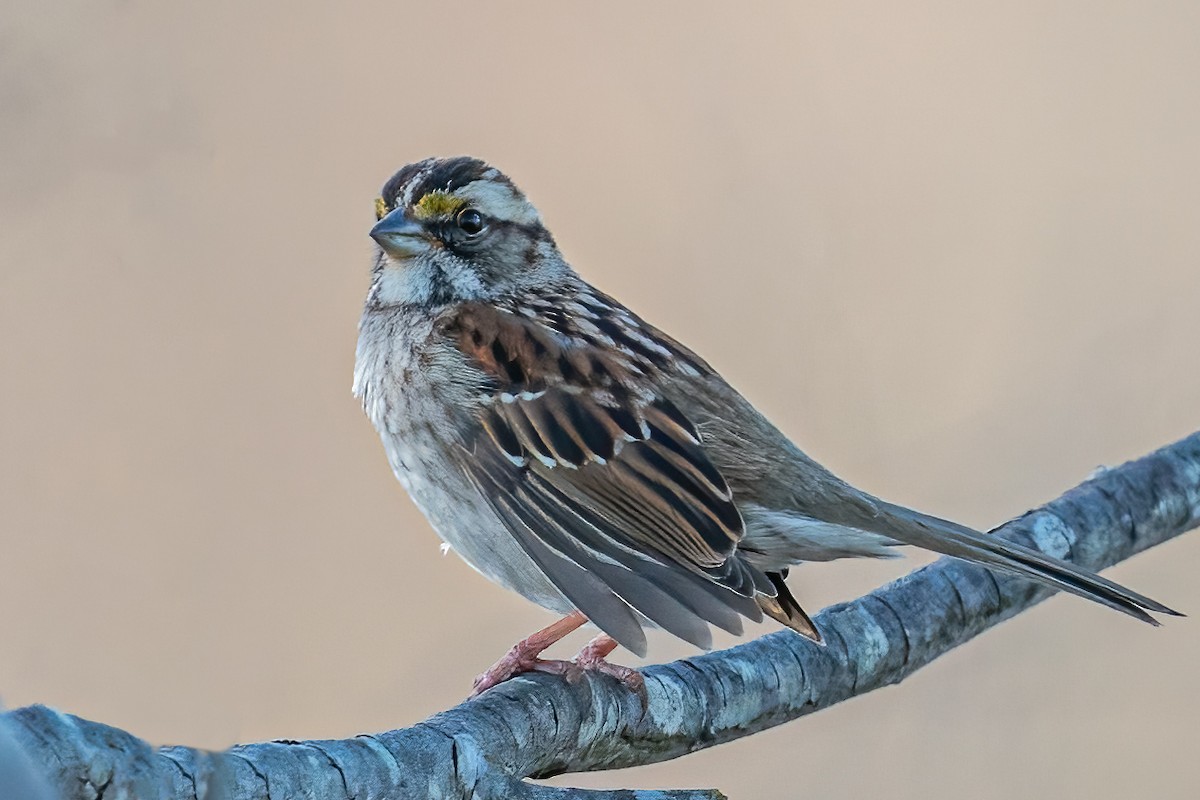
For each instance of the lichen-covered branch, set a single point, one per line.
(540, 725)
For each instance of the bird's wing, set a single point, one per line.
(604, 481)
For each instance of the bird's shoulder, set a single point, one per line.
(573, 336)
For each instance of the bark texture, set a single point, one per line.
(539, 726)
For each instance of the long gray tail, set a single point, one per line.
(951, 539)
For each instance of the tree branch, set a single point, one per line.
(539, 725)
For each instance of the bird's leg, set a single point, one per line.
(523, 657)
(592, 656)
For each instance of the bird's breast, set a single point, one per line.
(409, 379)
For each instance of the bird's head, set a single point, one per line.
(456, 229)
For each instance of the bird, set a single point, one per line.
(571, 451)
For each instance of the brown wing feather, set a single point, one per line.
(601, 434)
(594, 463)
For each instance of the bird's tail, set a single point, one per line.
(784, 608)
(948, 538)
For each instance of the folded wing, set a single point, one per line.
(603, 481)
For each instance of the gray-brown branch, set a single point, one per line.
(542, 725)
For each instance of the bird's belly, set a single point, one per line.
(413, 417)
(464, 521)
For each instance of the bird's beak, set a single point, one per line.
(400, 236)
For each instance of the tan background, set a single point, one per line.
(955, 253)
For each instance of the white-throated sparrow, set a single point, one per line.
(572, 452)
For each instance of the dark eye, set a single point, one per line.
(470, 221)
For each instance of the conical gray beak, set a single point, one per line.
(400, 236)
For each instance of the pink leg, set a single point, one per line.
(592, 656)
(523, 657)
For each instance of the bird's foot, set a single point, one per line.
(523, 657)
(592, 659)
(517, 662)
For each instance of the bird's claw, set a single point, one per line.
(518, 661)
(628, 676)
(515, 662)
(524, 657)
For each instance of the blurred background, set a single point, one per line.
(955, 253)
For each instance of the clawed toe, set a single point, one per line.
(523, 657)
(517, 663)
(568, 669)
(592, 658)
(628, 676)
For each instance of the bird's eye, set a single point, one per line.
(470, 221)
